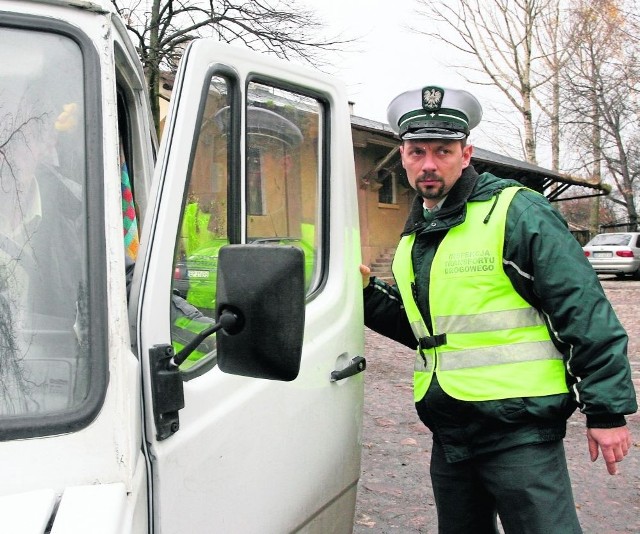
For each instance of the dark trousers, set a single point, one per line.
(528, 487)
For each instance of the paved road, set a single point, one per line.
(394, 493)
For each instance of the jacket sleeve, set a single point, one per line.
(548, 268)
(384, 312)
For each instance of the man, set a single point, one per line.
(512, 327)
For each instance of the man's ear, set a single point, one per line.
(467, 151)
(401, 147)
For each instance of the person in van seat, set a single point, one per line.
(512, 328)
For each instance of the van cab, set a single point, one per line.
(181, 329)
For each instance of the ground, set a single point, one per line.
(394, 494)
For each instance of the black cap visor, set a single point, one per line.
(433, 133)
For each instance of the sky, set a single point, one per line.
(388, 59)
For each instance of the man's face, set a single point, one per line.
(434, 166)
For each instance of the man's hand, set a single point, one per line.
(366, 274)
(613, 442)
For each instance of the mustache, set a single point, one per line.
(428, 175)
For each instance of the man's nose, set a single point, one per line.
(428, 162)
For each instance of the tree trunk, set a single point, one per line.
(153, 65)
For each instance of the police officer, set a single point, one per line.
(512, 328)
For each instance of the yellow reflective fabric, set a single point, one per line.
(497, 345)
(402, 268)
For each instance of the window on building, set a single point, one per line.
(387, 194)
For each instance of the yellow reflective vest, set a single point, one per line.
(487, 342)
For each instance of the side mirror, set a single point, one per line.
(263, 286)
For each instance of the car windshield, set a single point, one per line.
(611, 239)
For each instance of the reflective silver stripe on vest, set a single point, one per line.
(419, 330)
(489, 321)
(513, 353)
(423, 365)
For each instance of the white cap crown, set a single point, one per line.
(434, 112)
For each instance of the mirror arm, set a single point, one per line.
(228, 322)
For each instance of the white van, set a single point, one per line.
(181, 331)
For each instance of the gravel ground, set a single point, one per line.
(395, 495)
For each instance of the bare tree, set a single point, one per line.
(602, 84)
(504, 39)
(164, 27)
(554, 41)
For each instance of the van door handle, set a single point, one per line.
(357, 365)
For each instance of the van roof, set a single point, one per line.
(99, 6)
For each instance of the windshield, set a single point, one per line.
(611, 239)
(44, 359)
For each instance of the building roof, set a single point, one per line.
(550, 183)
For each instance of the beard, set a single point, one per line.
(430, 186)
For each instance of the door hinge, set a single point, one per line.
(167, 391)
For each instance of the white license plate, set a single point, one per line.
(198, 274)
(602, 254)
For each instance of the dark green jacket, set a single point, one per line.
(547, 267)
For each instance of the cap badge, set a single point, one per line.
(432, 98)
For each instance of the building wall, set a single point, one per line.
(380, 224)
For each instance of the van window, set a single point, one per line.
(283, 186)
(203, 229)
(278, 199)
(46, 366)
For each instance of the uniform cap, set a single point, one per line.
(265, 123)
(434, 113)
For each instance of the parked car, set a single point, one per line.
(617, 254)
(194, 278)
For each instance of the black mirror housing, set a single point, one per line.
(264, 287)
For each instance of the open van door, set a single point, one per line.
(255, 216)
